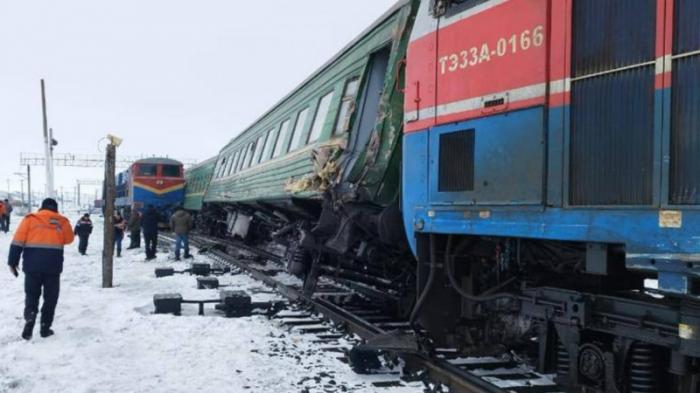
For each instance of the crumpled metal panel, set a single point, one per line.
(612, 34)
(612, 139)
(685, 131)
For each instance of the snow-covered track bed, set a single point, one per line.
(329, 314)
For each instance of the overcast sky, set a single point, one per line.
(171, 77)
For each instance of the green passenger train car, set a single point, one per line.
(197, 179)
(334, 122)
(316, 177)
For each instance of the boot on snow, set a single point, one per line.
(45, 331)
(28, 330)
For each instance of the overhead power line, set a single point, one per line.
(84, 160)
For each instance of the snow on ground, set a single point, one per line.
(108, 340)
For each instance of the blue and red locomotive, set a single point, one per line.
(157, 182)
(550, 170)
(542, 158)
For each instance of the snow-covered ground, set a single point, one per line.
(108, 340)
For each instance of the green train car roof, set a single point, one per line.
(382, 19)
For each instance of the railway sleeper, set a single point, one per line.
(196, 269)
(232, 303)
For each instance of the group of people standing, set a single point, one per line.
(5, 213)
(39, 242)
(138, 223)
(181, 222)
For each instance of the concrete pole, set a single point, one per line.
(29, 187)
(48, 162)
(108, 246)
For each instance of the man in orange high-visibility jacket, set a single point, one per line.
(40, 238)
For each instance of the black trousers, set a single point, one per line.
(83, 243)
(151, 240)
(135, 239)
(34, 283)
(6, 222)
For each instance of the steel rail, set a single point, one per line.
(458, 380)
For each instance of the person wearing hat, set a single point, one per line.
(39, 241)
(83, 228)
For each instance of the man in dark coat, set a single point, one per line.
(134, 227)
(39, 241)
(8, 214)
(83, 228)
(149, 226)
(3, 211)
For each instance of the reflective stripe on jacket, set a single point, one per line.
(40, 238)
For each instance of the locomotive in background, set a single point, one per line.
(157, 182)
(541, 157)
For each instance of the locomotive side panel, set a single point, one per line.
(611, 156)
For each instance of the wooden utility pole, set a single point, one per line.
(108, 247)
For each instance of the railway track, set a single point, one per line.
(356, 315)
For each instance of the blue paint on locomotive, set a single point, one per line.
(673, 253)
(163, 202)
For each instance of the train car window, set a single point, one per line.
(449, 8)
(347, 106)
(249, 155)
(259, 145)
(281, 136)
(234, 164)
(239, 162)
(269, 142)
(295, 143)
(217, 168)
(171, 170)
(220, 172)
(242, 160)
(227, 171)
(147, 169)
(324, 104)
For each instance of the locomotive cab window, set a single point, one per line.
(147, 170)
(347, 105)
(450, 8)
(171, 171)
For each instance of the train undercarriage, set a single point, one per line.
(602, 332)
(570, 309)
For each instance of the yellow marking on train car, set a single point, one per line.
(670, 219)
